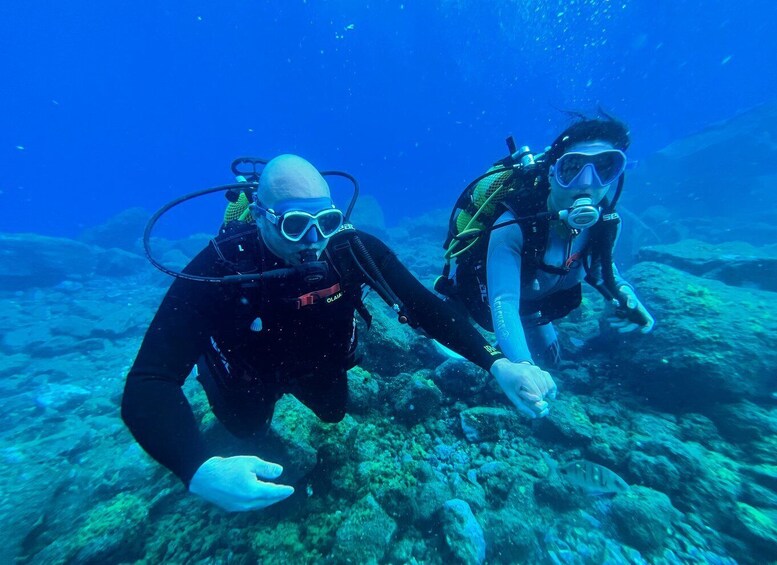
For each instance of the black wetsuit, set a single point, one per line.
(302, 350)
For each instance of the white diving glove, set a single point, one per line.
(526, 385)
(233, 484)
(630, 314)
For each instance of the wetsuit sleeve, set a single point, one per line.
(504, 288)
(431, 313)
(154, 407)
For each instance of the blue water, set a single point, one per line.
(109, 105)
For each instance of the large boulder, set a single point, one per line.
(459, 379)
(31, 260)
(418, 399)
(366, 534)
(728, 169)
(734, 263)
(644, 518)
(717, 185)
(758, 527)
(567, 422)
(712, 342)
(463, 534)
(122, 230)
(389, 347)
(363, 391)
(291, 434)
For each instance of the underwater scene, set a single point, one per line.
(392, 282)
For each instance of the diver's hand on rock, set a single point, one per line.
(233, 484)
(630, 314)
(526, 385)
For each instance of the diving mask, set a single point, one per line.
(575, 168)
(297, 217)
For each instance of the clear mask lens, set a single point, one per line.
(607, 166)
(295, 224)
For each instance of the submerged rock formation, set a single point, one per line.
(712, 342)
(728, 169)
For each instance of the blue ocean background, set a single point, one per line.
(108, 110)
(114, 105)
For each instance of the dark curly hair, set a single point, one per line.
(601, 126)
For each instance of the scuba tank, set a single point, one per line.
(477, 206)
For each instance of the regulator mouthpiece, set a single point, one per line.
(311, 269)
(581, 215)
(308, 256)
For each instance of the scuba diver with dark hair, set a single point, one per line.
(288, 275)
(529, 231)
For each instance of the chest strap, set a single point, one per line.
(316, 296)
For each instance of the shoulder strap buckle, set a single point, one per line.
(316, 296)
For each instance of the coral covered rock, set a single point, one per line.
(654, 472)
(759, 527)
(365, 535)
(363, 390)
(734, 263)
(463, 533)
(483, 424)
(291, 432)
(459, 379)
(644, 518)
(417, 400)
(389, 347)
(567, 421)
(712, 342)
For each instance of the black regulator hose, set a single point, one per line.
(249, 168)
(609, 236)
(275, 274)
(354, 198)
(379, 283)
